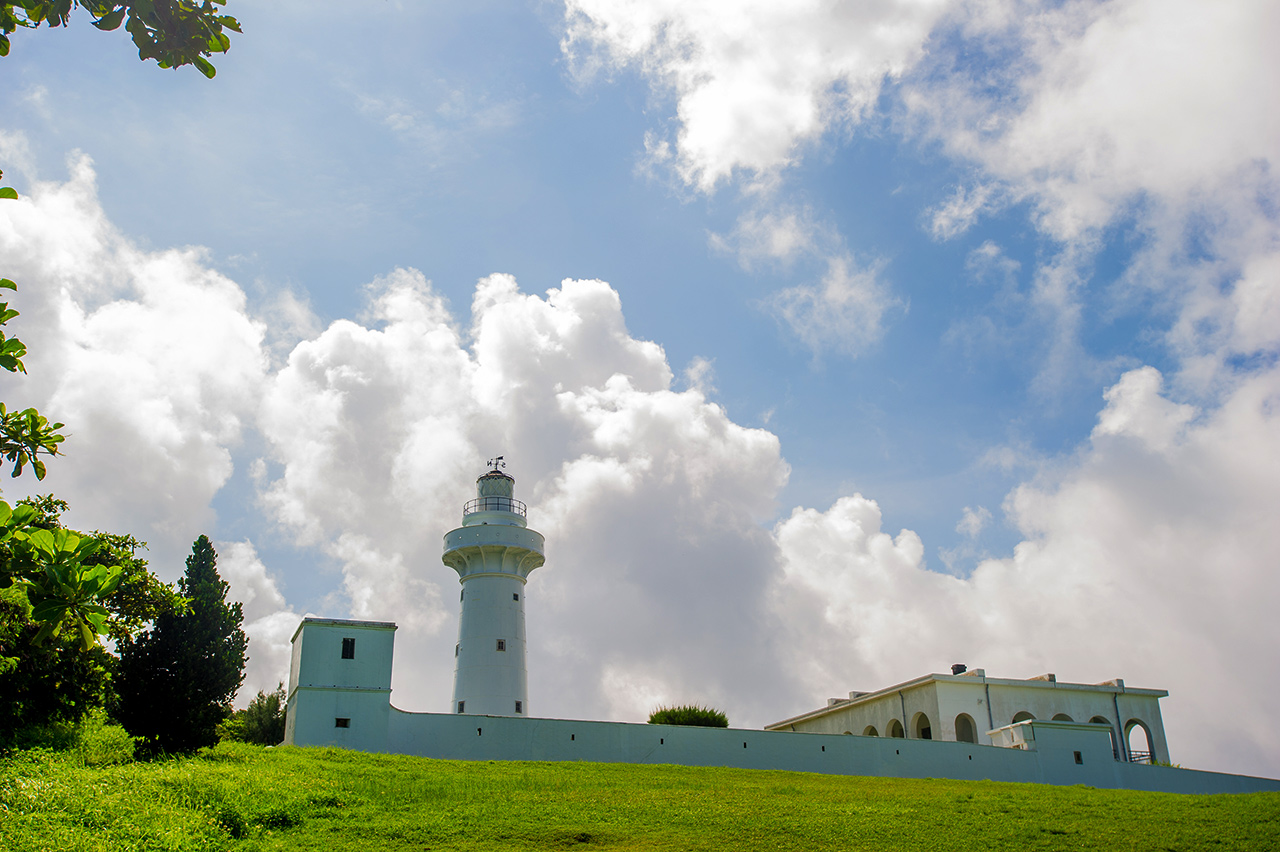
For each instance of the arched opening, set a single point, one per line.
(1062, 717)
(848, 733)
(870, 731)
(920, 727)
(966, 730)
(1140, 749)
(1022, 716)
(1103, 720)
(895, 730)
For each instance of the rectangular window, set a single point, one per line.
(514, 596)
(341, 722)
(462, 706)
(463, 595)
(455, 649)
(502, 644)
(519, 707)
(1079, 757)
(348, 649)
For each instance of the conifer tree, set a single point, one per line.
(176, 681)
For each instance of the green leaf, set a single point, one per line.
(111, 20)
(43, 541)
(48, 610)
(205, 66)
(97, 620)
(10, 192)
(7, 284)
(49, 628)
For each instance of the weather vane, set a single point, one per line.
(497, 463)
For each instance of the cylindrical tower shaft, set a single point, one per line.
(493, 552)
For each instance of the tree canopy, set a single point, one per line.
(172, 32)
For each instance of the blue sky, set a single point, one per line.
(967, 316)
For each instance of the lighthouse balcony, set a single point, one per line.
(471, 540)
(494, 504)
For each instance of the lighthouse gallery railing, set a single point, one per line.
(495, 504)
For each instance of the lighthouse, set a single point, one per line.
(493, 552)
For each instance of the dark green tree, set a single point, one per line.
(176, 681)
(262, 722)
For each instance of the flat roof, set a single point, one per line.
(344, 622)
(972, 677)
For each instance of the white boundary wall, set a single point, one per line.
(325, 687)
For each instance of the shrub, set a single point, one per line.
(93, 741)
(689, 714)
(102, 744)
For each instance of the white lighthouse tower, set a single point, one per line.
(493, 552)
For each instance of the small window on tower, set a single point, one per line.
(463, 595)
(455, 649)
(341, 722)
(462, 706)
(515, 597)
(519, 708)
(348, 649)
(502, 644)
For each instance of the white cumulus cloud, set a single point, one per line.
(753, 80)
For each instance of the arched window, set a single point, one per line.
(966, 731)
(895, 730)
(1062, 717)
(1103, 720)
(870, 731)
(920, 727)
(1022, 716)
(1140, 748)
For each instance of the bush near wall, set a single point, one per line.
(689, 714)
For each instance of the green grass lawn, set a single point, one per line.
(240, 797)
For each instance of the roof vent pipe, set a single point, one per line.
(959, 668)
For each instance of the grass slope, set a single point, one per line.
(239, 797)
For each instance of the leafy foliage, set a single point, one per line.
(172, 32)
(689, 714)
(176, 681)
(43, 683)
(23, 434)
(55, 678)
(49, 567)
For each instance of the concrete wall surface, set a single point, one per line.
(1054, 760)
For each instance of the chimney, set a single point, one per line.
(959, 668)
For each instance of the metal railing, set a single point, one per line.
(1139, 756)
(495, 504)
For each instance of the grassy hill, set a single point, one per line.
(239, 797)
